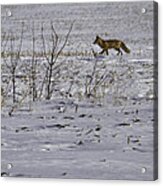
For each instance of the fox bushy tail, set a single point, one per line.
(124, 47)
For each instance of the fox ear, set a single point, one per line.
(97, 36)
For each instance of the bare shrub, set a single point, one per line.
(95, 81)
(12, 57)
(52, 66)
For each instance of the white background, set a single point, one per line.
(58, 182)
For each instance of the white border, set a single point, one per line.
(57, 1)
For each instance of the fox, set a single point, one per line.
(111, 44)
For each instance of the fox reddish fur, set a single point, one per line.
(111, 44)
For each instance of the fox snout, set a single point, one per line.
(95, 42)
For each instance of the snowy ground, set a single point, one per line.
(107, 137)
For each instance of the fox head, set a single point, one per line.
(96, 40)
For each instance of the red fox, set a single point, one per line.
(109, 44)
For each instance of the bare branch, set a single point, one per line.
(11, 52)
(7, 65)
(43, 43)
(3, 38)
(33, 67)
(21, 41)
(65, 42)
(33, 43)
(54, 33)
(102, 79)
(3, 43)
(15, 106)
(93, 72)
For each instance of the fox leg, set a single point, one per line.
(107, 53)
(102, 51)
(119, 51)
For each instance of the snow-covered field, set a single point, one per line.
(108, 134)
